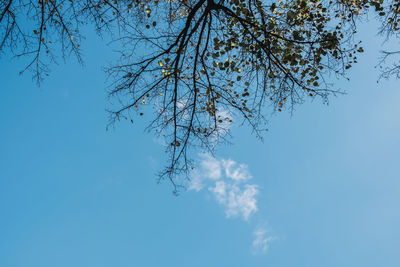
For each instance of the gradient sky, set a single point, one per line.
(322, 190)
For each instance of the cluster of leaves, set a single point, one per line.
(213, 63)
(202, 64)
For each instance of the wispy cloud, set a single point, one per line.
(196, 181)
(237, 201)
(226, 180)
(209, 169)
(211, 166)
(236, 171)
(262, 240)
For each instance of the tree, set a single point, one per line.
(201, 64)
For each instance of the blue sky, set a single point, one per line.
(323, 189)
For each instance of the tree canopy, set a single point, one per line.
(201, 64)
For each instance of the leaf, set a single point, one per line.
(128, 75)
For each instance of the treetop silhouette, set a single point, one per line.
(201, 64)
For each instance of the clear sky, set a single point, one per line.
(322, 190)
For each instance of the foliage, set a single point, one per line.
(202, 64)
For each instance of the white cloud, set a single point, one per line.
(262, 240)
(225, 118)
(236, 201)
(210, 169)
(235, 172)
(196, 182)
(226, 180)
(211, 166)
(219, 190)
